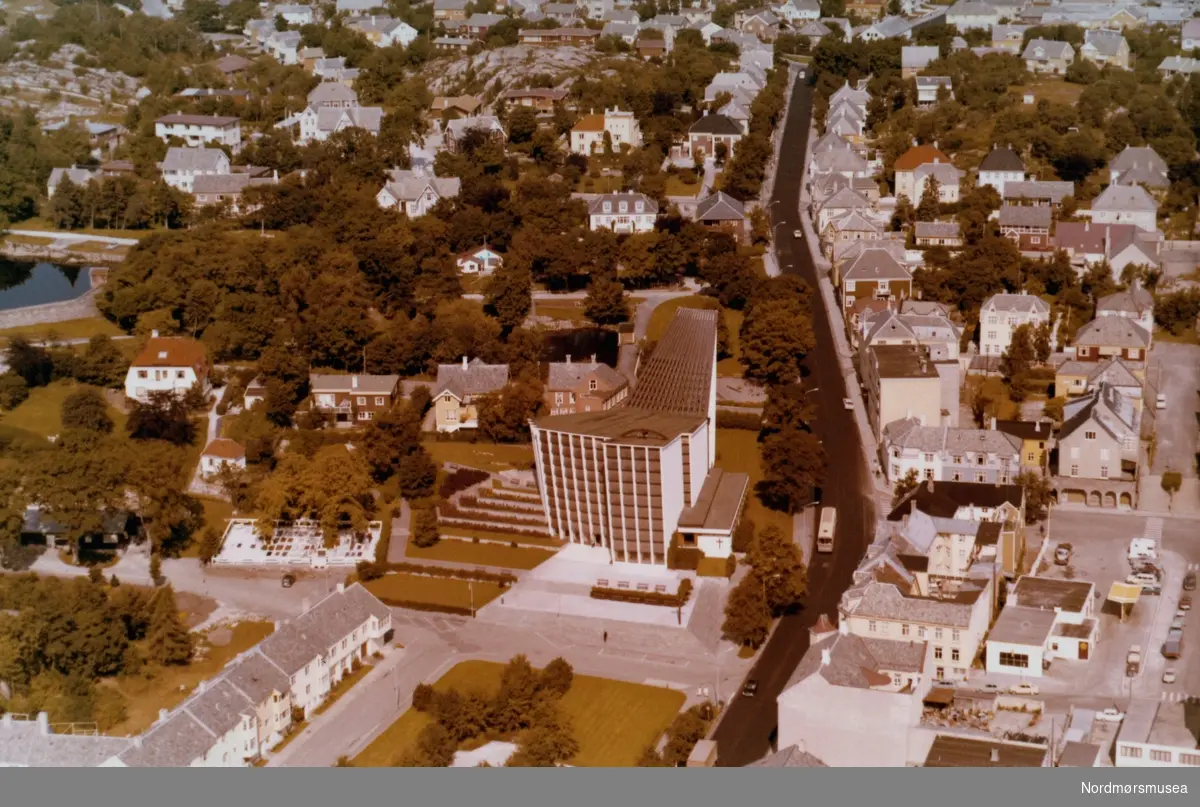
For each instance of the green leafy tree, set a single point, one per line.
(162, 416)
(905, 485)
(425, 527)
(557, 677)
(1038, 495)
(606, 302)
(13, 391)
(210, 545)
(167, 637)
(513, 707)
(1017, 360)
(747, 614)
(778, 565)
(522, 124)
(775, 337)
(549, 742)
(509, 294)
(390, 439)
(930, 205)
(102, 363)
(794, 464)
(86, 409)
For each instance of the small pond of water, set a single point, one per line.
(25, 283)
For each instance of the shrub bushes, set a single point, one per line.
(750, 421)
(676, 600)
(685, 558)
(478, 575)
(460, 480)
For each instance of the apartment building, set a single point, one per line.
(183, 165)
(1002, 313)
(588, 135)
(901, 383)
(943, 454)
(626, 479)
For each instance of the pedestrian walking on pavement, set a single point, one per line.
(606, 637)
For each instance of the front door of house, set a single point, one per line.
(1083, 651)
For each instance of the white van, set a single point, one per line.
(1161, 401)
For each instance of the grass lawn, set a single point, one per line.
(1052, 89)
(1188, 337)
(601, 184)
(569, 310)
(738, 450)
(491, 457)
(481, 554)
(170, 685)
(43, 224)
(29, 240)
(69, 329)
(41, 413)
(433, 590)
(499, 535)
(728, 367)
(613, 720)
(676, 186)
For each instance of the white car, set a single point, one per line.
(1023, 689)
(1111, 715)
(848, 403)
(797, 234)
(1169, 675)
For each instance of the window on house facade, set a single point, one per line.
(981, 477)
(1131, 752)
(1029, 457)
(929, 473)
(592, 384)
(954, 654)
(1160, 756)
(141, 374)
(957, 477)
(937, 634)
(179, 374)
(937, 653)
(1020, 660)
(871, 626)
(1189, 759)
(380, 400)
(1104, 472)
(896, 679)
(1089, 435)
(920, 631)
(1074, 470)
(958, 459)
(904, 629)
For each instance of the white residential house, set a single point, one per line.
(284, 46)
(622, 213)
(1189, 37)
(1104, 47)
(1000, 166)
(1002, 313)
(414, 194)
(1048, 56)
(78, 175)
(944, 454)
(482, 261)
(196, 130)
(928, 87)
(587, 137)
(384, 31)
(333, 107)
(1139, 165)
(167, 364)
(794, 10)
(1125, 204)
(222, 453)
(967, 14)
(915, 58)
(293, 14)
(1134, 304)
(182, 165)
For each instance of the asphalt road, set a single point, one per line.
(747, 731)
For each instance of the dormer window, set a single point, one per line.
(592, 385)
(162, 354)
(608, 207)
(624, 207)
(640, 207)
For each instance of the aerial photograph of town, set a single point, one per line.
(601, 384)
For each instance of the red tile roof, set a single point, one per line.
(226, 449)
(918, 156)
(172, 351)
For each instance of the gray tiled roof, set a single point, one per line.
(1047, 49)
(22, 744)
(1025, 216)
(406, 185)
(885, 601)
(678, 377)
(1125, 198)
(173, 743)
(954, 440)
(459, 127)
(368, 118)
(332, 92)
(596, 206)
(720, 207)
(857, 662)
(226, 183)
(200, 158)
(876, 264)
(1002, 159)
(790, 757)
(314, 632)
(1112, 332)
(478, 378)
(917, 57)
(1035, 189)
(366, 384)
(938, 229)
(256, 677)
(1017, 303)
(564, 375)
(1134, 300)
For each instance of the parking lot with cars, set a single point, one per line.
(1097, 547)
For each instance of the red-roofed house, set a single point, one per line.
(222, 453)
(907, 165)
(167, 364)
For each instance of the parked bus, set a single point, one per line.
(825, 532)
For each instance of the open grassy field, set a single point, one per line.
(728, 367)
(41, 413)
(491, 457)
(738, 450)
(613, 720)
(46, 226)
(993, 387)
(433, 590)
(600, 184)
(68, 329)
(1052, 89)
(481, 554)
(170, 685)
(677, 187)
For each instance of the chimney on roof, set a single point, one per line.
(341, 588)
(593, 358)
(1037, 426)
(568, 358)
(826, 656)
(154, 334)
(464, 362)
(995, 755)
(162, 713)
(43, 724)
(993, 426)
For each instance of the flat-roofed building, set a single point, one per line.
(1155, 734)
(956, 751)
(626, 478)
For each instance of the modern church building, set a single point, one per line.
(629, 478)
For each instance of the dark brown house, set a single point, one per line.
(724, 213)
(353, 398)
(712, 130)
